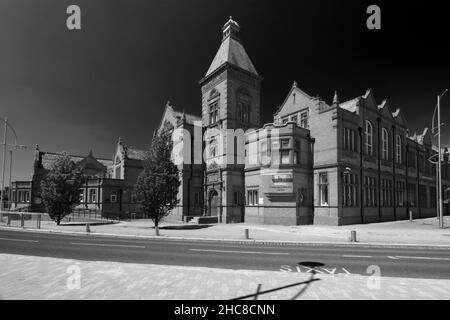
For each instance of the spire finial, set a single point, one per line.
(231, 29)
(335, 98)
(295, 84)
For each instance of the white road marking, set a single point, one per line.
(392, 257)
(105, 245)
(21, 240)
(355, 256)
(246, 252)
(423, 258)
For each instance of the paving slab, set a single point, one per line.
(25, 277)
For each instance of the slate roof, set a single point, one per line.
(190, 118)
(233, 52)
(47, 158)
(350, 105)
(135, 154)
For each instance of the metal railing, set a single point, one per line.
(22, 217)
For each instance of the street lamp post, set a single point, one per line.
(3, 168)
(441, 214)
(5, 135)
(10, 179)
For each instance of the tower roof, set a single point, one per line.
(231, 50)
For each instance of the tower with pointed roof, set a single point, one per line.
(233, 82)
(230, 100)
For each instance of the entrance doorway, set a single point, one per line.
(213, 204)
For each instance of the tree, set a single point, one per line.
(157, 186)
(60, 190)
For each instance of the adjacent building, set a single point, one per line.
(108, 188)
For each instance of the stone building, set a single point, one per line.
(328, 163)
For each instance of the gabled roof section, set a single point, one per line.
(350, 105)
(385, 109)
(231, 51)
(294, 101)
(370, 100)
(398, 116)
(425, 137)
(171, 117)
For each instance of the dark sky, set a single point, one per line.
(81, 90)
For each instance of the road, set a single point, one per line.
(405, 262)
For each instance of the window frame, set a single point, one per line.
(91, 192)
(304, 117)
(213, 111)
(368, 138)
(116, 196)
(252, 197)
(323, 189)
(398, 149)
(384, 144)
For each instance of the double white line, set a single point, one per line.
(241, 252)
(400, 257)
(105, 245)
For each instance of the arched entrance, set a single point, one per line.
(213, 203)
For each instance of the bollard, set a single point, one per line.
(353, 236)
(88, 228)
(247, 234)
(410, 216)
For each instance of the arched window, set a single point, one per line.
(385, 144)
(213, 102)
(398, 149)
(213, 148)
(118, 173)
(369, 138)
(214, 93)
(243, 105)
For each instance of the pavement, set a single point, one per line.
(421, 232)
(25, 277)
